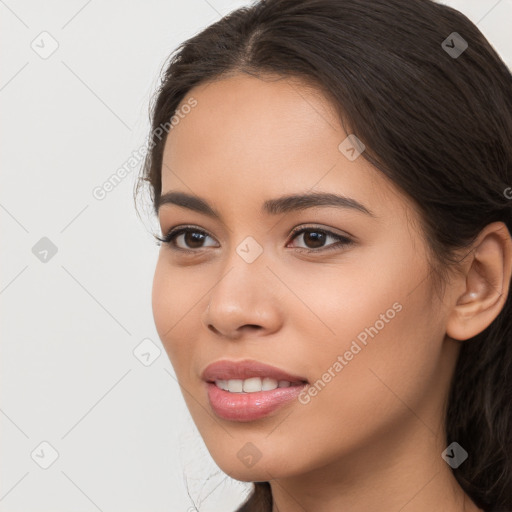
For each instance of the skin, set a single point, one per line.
(372, 439)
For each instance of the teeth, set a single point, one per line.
(235, 385)
(268, 384)
(252, 385)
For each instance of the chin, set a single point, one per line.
(258, 473)
(244, 465)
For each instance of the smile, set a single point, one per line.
(253, 385)
(249, 390)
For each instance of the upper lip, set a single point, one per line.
(225, 370)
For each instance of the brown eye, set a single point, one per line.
(315, 238)
(192, 238)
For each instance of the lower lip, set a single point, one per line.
(249, 406)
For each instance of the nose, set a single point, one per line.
(244, 302)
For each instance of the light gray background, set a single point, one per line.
(70, 325)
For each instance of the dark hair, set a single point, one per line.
(438, 124)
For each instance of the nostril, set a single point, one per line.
(236, 332)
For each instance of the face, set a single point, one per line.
(339, 296)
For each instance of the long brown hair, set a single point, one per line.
(437, 123)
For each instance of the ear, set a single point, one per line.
(484, 283)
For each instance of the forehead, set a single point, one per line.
(262, 138)
(247, 117)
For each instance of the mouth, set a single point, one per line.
(248, 370)
(254, 384)
(249, 390)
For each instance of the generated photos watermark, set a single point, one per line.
(343, 360)
(135, 159)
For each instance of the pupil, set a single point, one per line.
(193, 238)
(318, 238)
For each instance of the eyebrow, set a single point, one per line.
(284, 204)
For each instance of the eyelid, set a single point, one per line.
(176, 231)
(343, 239)
(330, 231)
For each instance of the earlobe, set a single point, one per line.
(486, 283)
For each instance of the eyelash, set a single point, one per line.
(343, 241)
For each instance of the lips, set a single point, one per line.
(249, 406)
(246, 369)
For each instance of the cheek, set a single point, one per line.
(175, 299)
(377, 345)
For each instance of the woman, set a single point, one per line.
(332, 182)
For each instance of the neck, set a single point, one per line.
(405, 473)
